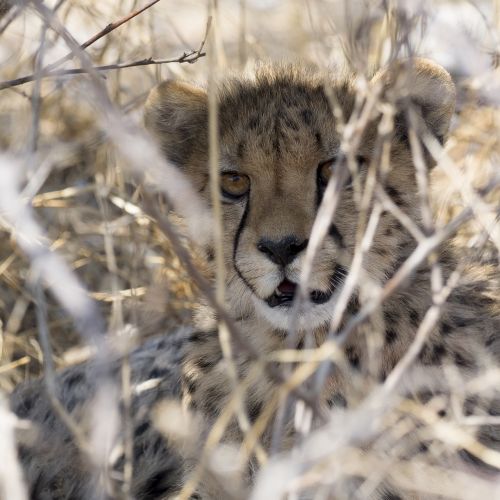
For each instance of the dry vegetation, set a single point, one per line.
(84, 188)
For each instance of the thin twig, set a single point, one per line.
(49, 372)
(105, 31)
(36, 99)
(187, 57)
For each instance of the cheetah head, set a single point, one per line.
(280, 142)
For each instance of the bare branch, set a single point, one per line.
(187, 57)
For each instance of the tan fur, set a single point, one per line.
(276, 129)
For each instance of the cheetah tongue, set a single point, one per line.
(286, 287)
(283, 295)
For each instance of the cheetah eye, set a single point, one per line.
(325, 170)
(234, 185)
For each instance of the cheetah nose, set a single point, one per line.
(281, 252)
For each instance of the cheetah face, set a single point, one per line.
(270, 223)
(279, 146)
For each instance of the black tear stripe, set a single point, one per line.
(319, 191)
(334, 232)
(241, 226)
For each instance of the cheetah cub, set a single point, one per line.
(286, 135)
(291, 138)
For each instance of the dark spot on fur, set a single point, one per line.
(460, 360)
(158, 445)
(414, 318)
(276, 141)
(488, 301)
(424, 396)
(382, 251)
(390, 335)
(254, 410)
(212, 399)
(26, 406)
(241, 149)
(391, 318)
(353, 357)
(489, 436)
(388, 231)
(75, 379)
(307, 116)
(469, 405)
(334, 232)
(394, 194)
(191, 385)
(253, 123)
(353, 305)
(490, 340)
(442, 413)
(23, 452)
(210, 254)
(337, 400)
(161, 344)
(158, 372)
(141, 429)
(424, 354)
(401, 129)
(290, 123)
(204, 364)
(289, 100)
(445, 328)
(319, 139)
(71, 404)
(160, 484)
(438, 351)
(462, 322)
(390, 495)
(398, 227)
(197, 337)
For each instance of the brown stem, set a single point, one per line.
(187, 57)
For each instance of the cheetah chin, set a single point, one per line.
(278, 308)
(282, 316)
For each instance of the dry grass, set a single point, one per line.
(91, 208)
(81, 195)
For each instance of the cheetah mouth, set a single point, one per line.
(285, 293)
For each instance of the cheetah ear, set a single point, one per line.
(176, 114)
(427, 86)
